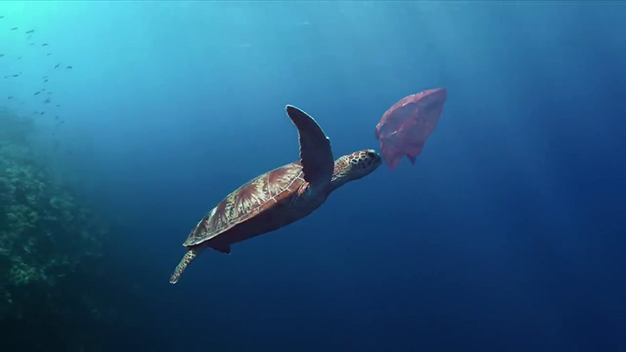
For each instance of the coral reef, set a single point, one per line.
(47, 237)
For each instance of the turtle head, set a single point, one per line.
(354, 166)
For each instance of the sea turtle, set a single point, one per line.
(281, 196)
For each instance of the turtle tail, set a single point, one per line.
(191, 254)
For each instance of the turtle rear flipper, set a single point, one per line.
(315, 152)
(191, 254)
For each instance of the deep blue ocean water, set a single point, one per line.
(506, 235)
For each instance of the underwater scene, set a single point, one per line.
(313, 176)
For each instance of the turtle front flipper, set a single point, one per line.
(191, 254)
(316, 154)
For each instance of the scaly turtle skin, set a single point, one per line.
(281, 196)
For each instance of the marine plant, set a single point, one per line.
(48, 237)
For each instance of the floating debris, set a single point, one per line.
(69, 67)
(37, 93)
(44, 44)
(57, 65)
(30, 31)
(16, 75)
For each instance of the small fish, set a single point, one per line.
(1, 17)
(43, 112)
(10, 97)
(43, 90)
(45, 80)
(44, 44)
(36, 93)
(1, 55)
(57, 65)
(58, 105)
(16, 75)
(30, 31)
(7, 76)
(47, 101)
(69, 67)
(48, 54)
(19, 57)
(35, 112)
(30, 36)
(31, 43)
(49, 93)
(14, 28)
(56, 117)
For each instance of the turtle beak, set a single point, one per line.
(373, 160)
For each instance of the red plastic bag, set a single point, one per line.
(404, 128)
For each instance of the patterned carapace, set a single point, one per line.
(279, 197)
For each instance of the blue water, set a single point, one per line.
(506, 235)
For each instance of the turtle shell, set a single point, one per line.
(256, 197)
